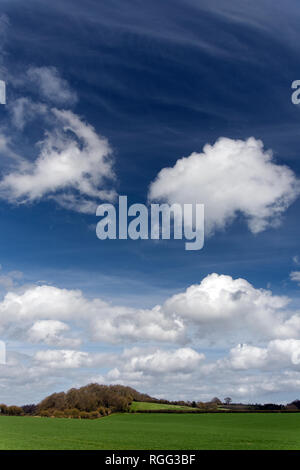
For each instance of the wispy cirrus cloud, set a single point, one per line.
(295, 276)
(51, 86)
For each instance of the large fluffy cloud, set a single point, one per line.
(230, 177)
(73, 167)
(33, 309)
(220, 303)
(165, 362)
(278, 353)
(70, 359)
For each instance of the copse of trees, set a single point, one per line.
(93, 398)
(11, 410)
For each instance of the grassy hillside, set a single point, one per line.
(153, 431)
(144, 405)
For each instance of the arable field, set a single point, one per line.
(142, 405)
(154, 431)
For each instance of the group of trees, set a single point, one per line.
(18, 410)
(11, 410)
(91, 401)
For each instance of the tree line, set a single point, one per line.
(95, 401)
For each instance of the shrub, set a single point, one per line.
(45, 413)
(58, 414)
(102, 411)
(72, 413)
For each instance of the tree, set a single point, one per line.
(14, 410)
(216, 400)
(56, 400)
(296, 403)
(3, 409)
(227, 400)
(29, 409)
(201, 405)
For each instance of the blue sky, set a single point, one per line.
(158, 80)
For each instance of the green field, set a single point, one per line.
(154, 431)
(142, 405)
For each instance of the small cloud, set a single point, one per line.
(51, 332)
(10, 280)
(295, 276)
(23, 111)
(51, 86)
(296, 259)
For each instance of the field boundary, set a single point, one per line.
(212, 411)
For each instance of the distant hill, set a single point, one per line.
(92, 398)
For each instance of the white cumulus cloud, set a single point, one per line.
(97, 319)
(220, 303)
(172, 361)
(230, 177)
(277, 354)
(51, 332)
(73, 167)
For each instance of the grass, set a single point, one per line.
(141, 405)
(154, 431)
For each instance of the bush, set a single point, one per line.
(73, 413)
(45, 413)
(102, 411)
(58, 414)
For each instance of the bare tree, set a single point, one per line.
(227, 400)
